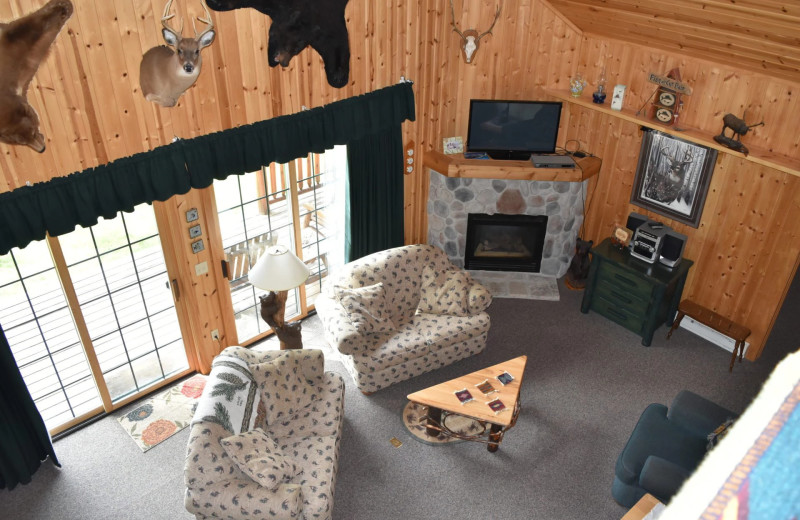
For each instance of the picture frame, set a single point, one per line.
(672, 177)
(452, 145)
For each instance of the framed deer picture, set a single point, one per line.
(672, 177)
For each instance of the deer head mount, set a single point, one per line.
(24, 43)
(471, 38)
(165, 74)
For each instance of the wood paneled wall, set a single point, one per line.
(746, 248)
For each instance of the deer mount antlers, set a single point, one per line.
(471, 38)
(165, 74)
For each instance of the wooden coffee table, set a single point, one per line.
(441, 400)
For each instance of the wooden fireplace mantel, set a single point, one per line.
(456, 166)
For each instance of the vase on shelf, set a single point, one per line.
(599, 95)
(576, 85)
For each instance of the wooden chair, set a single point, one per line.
(314, 224)
(240, 257)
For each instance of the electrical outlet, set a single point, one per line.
(215, 334)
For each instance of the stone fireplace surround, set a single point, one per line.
(450, 200)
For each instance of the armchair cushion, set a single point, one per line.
(445, 292)
(285, 389)
(366, 307)
(257, 455)
(452, 293)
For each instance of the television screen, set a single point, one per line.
(513, 129)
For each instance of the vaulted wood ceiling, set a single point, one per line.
(759, 35)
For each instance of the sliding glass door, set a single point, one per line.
(43, 338)
(288, 204)
(90, 319)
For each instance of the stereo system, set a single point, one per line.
(653, 241)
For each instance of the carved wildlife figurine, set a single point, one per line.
(739, 128)
(166, 73)
(297, 24)
(471, 39)
(24, 43)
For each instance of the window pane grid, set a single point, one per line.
(43, 340)
(257, 205)
(122, 290)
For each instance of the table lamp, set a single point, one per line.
(277, 271)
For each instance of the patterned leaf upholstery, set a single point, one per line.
(421, 340)
(216, 486)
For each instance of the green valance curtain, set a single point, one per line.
(61, 204)
(24, 441)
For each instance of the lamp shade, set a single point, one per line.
(278, 269)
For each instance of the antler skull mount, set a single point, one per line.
(471, 38)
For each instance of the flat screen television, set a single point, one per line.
(513, 129)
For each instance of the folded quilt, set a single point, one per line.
(230, 397)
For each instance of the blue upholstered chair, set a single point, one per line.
(665, 447)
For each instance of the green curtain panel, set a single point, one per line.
(24, 440)
(59, 205)
(374, 204)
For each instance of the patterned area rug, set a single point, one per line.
(165, 414)
(415, 417)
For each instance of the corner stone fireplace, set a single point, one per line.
(451, 200)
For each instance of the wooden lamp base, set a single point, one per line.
(273, 308)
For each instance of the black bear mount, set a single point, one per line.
(296, 24)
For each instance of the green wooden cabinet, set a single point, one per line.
(637, 295)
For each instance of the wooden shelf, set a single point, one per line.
(456, 166)
(759, 156)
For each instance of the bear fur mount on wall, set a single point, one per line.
(296, 24)
(24, 43)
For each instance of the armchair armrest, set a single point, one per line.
(479, 298)
(245, 500)
(662, 478)
(339, 330)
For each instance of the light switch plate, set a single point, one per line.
(195, 231)
(198, 246)
(192, 215)
(201, 268)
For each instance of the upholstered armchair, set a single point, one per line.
(399, 313)
(666, 446)
(264, 441)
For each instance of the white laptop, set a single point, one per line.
(552, 161)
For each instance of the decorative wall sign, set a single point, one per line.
(667, 103)
(672, 177)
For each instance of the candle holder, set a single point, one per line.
(599, 95)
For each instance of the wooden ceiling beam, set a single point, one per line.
(781, 33)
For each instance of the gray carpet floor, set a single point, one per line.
(586, 383)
